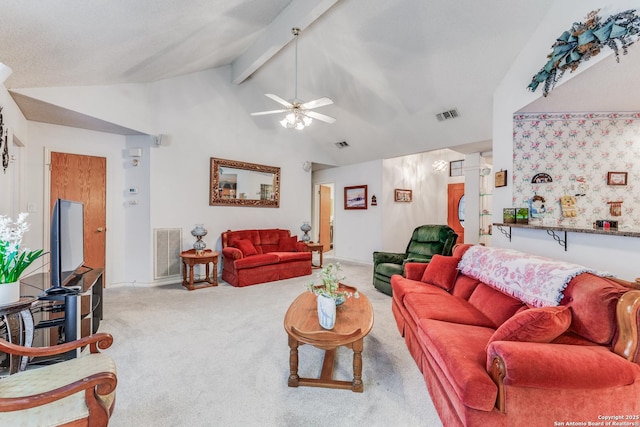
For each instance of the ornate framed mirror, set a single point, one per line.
(234, 183)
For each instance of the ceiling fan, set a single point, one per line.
(298, 113)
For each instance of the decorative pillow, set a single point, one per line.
(246, 247)
(543, 325)
(288, 244)
(441, 272)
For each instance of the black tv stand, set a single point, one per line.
(68, 312)
(60, 290)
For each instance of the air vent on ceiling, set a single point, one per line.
(447, 115)
(342, 144)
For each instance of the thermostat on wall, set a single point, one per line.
(132, 190)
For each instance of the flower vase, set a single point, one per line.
(326, 312)
(9, 292)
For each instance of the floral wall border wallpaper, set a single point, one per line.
(577, 150)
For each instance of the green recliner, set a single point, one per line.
(426, 241)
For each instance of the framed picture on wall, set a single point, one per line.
(402, 195)
(616, 178)
(355, 197)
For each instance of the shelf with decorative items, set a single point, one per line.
(559, 233)
(485, 230)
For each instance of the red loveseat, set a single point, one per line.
(489, 359)
(257, 256)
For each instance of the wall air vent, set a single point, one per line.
(342, 144)
(447, 115)
(168, 244)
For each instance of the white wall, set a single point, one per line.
(11, 187)
(203, 118)
(616, 254)
(388, 226)
(356, 233)
(429, 205)
(45, 137)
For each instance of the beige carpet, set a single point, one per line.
(219, 357)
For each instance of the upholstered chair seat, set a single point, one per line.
(74, 392)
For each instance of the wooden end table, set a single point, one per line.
(315, 247)
(354, 320)
(191, 258)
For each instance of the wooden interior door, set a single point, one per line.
(455, 193)
(84, 179)
(324, 228)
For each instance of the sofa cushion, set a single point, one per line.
(293, 256)
(535, 325)
(441, 271)
(494, 304)
(402, 287)
(271, 236)
(256, 261)
(439, 305)
(288, 244)
(459, 352)
(246, 247)
(464, 286)
(252, 235)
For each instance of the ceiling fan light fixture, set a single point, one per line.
(307, 120)
(298, 114)
(296, 120)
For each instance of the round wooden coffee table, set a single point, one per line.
(354, 321)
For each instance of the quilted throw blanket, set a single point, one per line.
(535, 280)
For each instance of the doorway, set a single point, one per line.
(455, 210)
(324, 215)
(84, 179)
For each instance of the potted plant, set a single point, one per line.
(330, 294)
(13, 260)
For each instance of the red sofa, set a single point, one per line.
(258, 256)
(489, 359)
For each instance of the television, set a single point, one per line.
(67, 244)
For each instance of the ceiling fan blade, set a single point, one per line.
(321, 117)
(279, 100)
(320, 102)
(262, 113)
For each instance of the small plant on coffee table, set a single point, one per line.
(331, 275)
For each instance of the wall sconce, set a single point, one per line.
(439, 165)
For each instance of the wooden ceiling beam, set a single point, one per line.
(300, 14)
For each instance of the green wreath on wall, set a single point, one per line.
(585, 40)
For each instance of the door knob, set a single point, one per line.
(100, 229)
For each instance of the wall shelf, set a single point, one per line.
(559, 233)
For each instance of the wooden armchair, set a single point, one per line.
(74, 392)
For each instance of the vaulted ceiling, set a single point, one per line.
(389, 67)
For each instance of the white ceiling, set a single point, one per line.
(389, 66)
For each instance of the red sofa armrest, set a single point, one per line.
(556, 366)
(232, 253)
(544, 365)
(415, 270)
